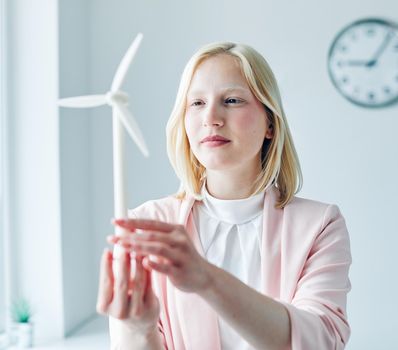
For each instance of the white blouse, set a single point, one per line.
(230, 233)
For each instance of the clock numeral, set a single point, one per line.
(345, 80)
(370, 31)
(371, 96)
(387, 90)
(396, 47)
(343, 48)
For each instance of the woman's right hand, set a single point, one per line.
(125, 297)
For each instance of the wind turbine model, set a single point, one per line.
(122, 117)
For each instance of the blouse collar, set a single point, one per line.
(232, 211)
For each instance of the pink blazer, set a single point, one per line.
(305, 263)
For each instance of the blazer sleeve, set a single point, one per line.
(318, 310)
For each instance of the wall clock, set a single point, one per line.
(363, 62)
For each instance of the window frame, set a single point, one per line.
(4, 179)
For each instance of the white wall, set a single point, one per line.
(348, 154)
(79, 278)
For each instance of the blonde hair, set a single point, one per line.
(279, 160)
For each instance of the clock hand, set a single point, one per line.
(380, 50)
(354, 63)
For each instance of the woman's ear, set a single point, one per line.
(269, 133)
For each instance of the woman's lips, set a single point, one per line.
(214, 138)
(215, 143)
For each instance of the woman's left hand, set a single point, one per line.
(179, 259)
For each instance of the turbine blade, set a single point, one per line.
(131, 126)
(83, 101)
(125, 63)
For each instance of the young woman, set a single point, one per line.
(234, 260)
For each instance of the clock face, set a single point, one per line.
(363, 63)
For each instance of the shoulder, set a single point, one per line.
(299, 204)
(312, 226)
(312, 212)
(164, 209)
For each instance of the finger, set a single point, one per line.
(169, 239)
(145, 263)
(113, 239)
(105, 289)
(163, 267)
(120, 303)
(121, 222)
(149, 293)
(139, 287)
(155, 248)
(133, 224)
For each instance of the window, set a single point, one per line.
(3, 255)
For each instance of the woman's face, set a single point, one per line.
(219, 102)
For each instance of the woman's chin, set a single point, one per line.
(218, 166)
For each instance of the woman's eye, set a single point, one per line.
(232, 100)
(196, 103)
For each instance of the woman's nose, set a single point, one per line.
(212, 115)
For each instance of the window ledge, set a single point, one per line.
(92, 336)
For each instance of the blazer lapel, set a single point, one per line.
(197, 320)
(270, 244)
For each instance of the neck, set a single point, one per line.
(229, 184)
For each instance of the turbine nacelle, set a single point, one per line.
(116, 98)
